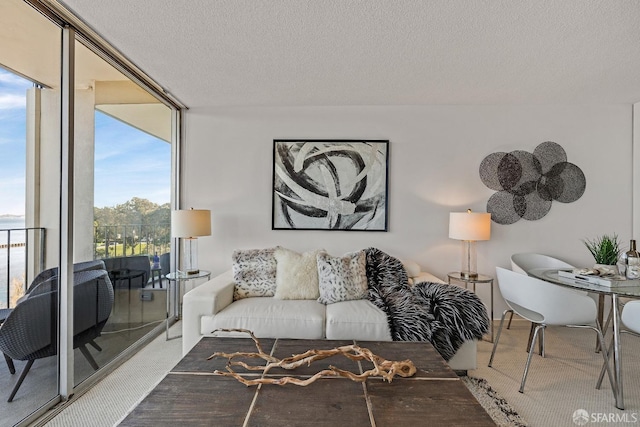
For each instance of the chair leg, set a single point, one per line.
(510, 319)
(526, 367)
(85, 352)
(24, 373)
(10, 364)
(495, 343)
(95, 345)
(530, 342)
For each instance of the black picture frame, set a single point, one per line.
(330, 184)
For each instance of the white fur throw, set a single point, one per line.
(342, 278)
(296, 275)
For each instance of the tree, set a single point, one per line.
(138, 224)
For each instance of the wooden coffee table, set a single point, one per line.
(191, 395)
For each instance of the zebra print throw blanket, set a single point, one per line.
(442, 314)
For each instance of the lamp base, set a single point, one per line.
(190, 257)
(468, 275)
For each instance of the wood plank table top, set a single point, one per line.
(191, 395)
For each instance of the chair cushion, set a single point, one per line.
(359, 320)
(270, 318)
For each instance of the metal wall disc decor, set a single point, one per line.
(330, 185)
(527, 183)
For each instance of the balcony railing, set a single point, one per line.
(21, 259)
(131, 239)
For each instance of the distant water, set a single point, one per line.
(17, 266)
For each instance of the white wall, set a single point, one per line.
(435, 153)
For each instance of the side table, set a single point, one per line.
(177, 278)
(457, 276)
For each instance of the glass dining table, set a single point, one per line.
(615, 292)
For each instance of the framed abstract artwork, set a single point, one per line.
(330, 184)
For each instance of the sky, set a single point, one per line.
(12, 142)
(128, 162)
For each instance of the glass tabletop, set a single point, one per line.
(179, 275)
(553, 277)
(480, 278)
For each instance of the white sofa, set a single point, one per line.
(211, 306)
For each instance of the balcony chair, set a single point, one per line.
(544, 304)
(52, 272)
(47, 274)
(30, 331)
(165, 265)
(523, 262)
(119, 267)
(630, 318)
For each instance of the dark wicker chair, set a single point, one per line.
(48, 274)
(30, 331)
(44, 275)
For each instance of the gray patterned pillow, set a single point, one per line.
(254, 273)
(342, 278)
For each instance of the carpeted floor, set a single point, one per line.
(558, 385)
(564, 381)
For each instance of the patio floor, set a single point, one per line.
(130, 320)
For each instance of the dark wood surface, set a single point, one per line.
(191, 395)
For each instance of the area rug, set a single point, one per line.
(498, 408)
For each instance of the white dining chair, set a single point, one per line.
(546, 304)
(523, 262)
(630, 319)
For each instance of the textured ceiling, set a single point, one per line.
(393, 52)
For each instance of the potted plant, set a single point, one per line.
(605, 250)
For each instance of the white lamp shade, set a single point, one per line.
(191, 223)
(469, 226)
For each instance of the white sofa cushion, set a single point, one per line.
(270, 318)
(358, 320)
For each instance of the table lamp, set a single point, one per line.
(189, 225)
(469, 227)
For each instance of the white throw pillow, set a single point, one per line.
(342, 278)
(254, 273)
(296, 275)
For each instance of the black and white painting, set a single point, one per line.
(330, 185)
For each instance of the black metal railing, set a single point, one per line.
(21, 258)
(131, 239)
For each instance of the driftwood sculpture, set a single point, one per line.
(386, 369)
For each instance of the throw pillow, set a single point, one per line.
(296, 275)
(342, 278)
(254, 273)
(411, 267)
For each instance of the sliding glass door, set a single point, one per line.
(87, 145)
(122, 183)
(30, 149)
